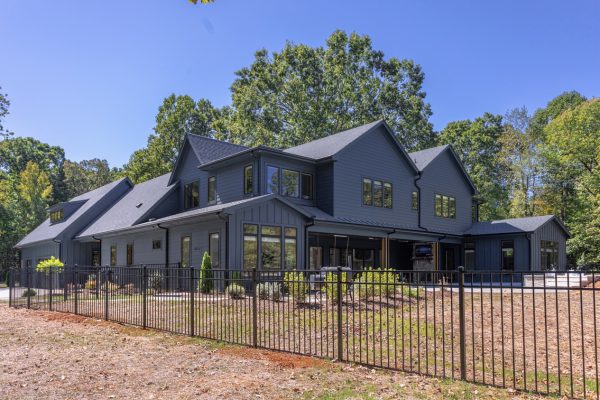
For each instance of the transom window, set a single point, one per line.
(57, 215)
(445, 206)
(212, 189)
(377, 193)
(191, 195)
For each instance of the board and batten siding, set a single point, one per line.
(270, 212)
(39, 251)
(488, 252)
(551, 231)
(374, 156)
(187, 171)
(443, 176)
(324, 195)
(142, 248)
(199, 232)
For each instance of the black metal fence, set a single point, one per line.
(528, 331)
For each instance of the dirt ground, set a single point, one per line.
(60, 356)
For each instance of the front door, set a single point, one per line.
(449, 260)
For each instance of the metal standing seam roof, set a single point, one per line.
(513, 225)
(49, 231)
(130, 208)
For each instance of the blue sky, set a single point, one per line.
(90, 75)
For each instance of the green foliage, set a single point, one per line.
(269, 291)
(86, 175)
(29, 293)
(205, 283)
(296, 285)
(110, 286)
(375, 282)
(54, 263)
(330, 286)
(4, 104)
(235, 291)
(90, 284)
(34, 191)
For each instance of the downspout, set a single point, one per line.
(530, 252)
(226, 219)
(417, 179)
(59, 242)
(306, 244)
(166, 244)
(387, 250)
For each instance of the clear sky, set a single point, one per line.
(89, 75)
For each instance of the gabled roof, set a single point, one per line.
(423, 159)
(206, 150)
(50, 231)
(513, 225)
(131, 208)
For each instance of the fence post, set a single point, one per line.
(254, 311)
(65, 295)
(9, 278)
(107, 275)
(51, 286)
(461, 317)
(29, 287)
(194, 284)
(76, 287)
(340, 352)
(98, 280)
(144, 297)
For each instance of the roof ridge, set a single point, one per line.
(216, 140)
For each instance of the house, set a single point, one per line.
(355, 198)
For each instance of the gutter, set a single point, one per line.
(166, 244)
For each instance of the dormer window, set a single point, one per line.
(57, 215)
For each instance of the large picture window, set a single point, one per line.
(248, 179)
(445, 206)
(508, 255)
(377, 193)
(549, 255)
(250, 246)
(307, 186)
(212, 189)
(270, 241)
(290, 181)
(213, 249)
(272, 179)
(191, 195)
(290, 248)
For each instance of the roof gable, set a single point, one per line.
(514, 225)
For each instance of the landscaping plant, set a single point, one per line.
(54, 263)
(375, 282)
(235, 291)
(296, 285)
(269, 291)
(205, 283)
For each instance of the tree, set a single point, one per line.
(574, 139)
(478, 145)
(177, 116)
(304, 93)
(86, 175)
(4, 104)
(34, 191)
(205, 283)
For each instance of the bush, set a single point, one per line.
(375, 282)
(29, 293)
(112, 287)
(296, 285)
(54, 263)
(269, 290)
(331, 285)
(235, 291)
(205, 283)
(91, 282)
(154, 281)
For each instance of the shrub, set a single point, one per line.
(235, 291)
(331, 285)
(29, 293)
(269, 290)
(54, 263)
(205, 283)
(91, 282)
(154, 281)
(296, 285)
(112, 287)
(375, 282)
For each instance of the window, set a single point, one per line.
(367, 189)
(469, 256)
(290, 248)
(289, 183)
(156, 244)
(387, 195)
(549, 255)
(113, 255)
(248, 180)
(445, 206)
(315, 254)
(377, 194)
(508, 255)
(212, 189)
(57, 215)
(415, 201)
(272, 179)
(270, 242)
(129, 254)
(307, 186)
(186, 251)
(213, 249)
(250, 246)
(191, 195)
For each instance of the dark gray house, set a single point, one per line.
(355, 198)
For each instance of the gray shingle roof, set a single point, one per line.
(128, 210)
(424, 157)
(513, 225)
(332, 144)
(207, 149)
(47, 231)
